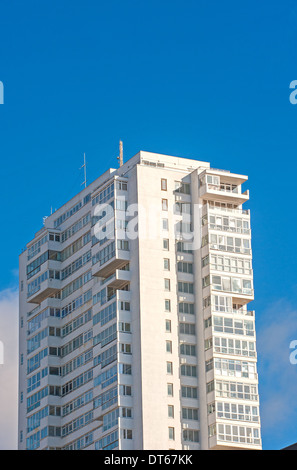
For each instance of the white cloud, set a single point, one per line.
(9, 370)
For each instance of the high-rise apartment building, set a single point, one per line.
(135, 333)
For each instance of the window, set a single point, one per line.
(127, 434)
(125, 390)
(229, 224)
(125, 327)
(212, 430)
(208, 343)
(170, 390)
(167, 305)
(206, 281)
(54, 371)
(185, 307)
(208, 365)
(185, 267)
(207, 322)
(237, 390)
(164, 204)
(165, 224)
(220, 303)
(166, 264)
(242, 434)
(190, 413)
(125, 348)
(165, 244)
(168, 326)
(170, 411)
(167, 284)
(164, 184)
(232, 326)
(125, 369)
(211, 408)
(183, 188)
(127, 412)
(205, 261)
(230, 244)
(171, 434)
(188, 349)
(187, 328)
(234, 347)
(122, 186)
(210, 387)
(169, 368)
(124, 306)
(186, 287)
(237, 412)
(188, 371)
(230, 284)
(182, 208)
(183, 247)
(232, 368)
(211, 179)
(169, 346)
(123, 245)
(231, 264)
(190, 435)
(189, 392)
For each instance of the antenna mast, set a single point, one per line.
(120, 158)
(84, 166)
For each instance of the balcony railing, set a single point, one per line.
(230, 249)
(44, 290)
(230, 269)
(226, 188)
(228, 228)
(231, 210)
(224, 193)
(107, 260)
(234, 311)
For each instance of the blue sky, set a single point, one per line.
(199, 79)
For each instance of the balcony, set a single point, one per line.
(230, 249)
(105, 263)
(217, 444)
(230, 435)
(224, 192)
(244, 297)
(120, 279)
(123, 296)
(212, 207)
(98, 416)
(214, 310)
(240, 296)
(45, 289)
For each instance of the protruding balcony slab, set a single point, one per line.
(46, 288)
(210, 192)
(121, 279)
(120, 258)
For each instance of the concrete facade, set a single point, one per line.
(140, 337)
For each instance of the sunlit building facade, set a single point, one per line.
(135, 331)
